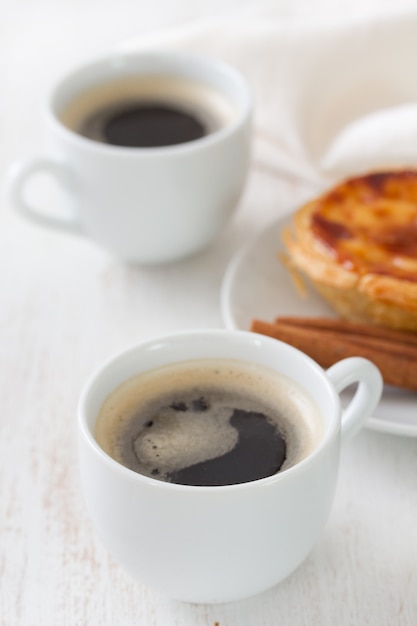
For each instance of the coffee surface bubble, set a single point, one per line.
(208, 423)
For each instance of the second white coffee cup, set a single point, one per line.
(145, 204)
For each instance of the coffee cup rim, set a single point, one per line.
(332, 429)
(117, 59)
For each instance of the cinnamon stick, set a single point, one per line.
(328, 341)
(358, 328)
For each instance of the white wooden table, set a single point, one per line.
(66, 306)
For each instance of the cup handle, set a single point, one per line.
(367, 395)
(18, 178)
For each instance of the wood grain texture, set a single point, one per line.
(64, 307)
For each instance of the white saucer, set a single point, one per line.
(257, 285)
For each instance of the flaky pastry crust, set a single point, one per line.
(357, 243)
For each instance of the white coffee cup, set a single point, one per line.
(218, 544)
(144, 205)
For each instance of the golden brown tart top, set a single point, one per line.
(357, 243)
(368, 224)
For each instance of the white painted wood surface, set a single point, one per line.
(66, 306)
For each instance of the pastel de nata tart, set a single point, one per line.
(357, 243)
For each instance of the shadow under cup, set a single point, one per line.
(210, 544)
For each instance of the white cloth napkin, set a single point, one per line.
(333, 96)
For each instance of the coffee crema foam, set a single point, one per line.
(159, 422)
(88, 111)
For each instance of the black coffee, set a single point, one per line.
(146, 112)
(143, 126)
(208, 423)
(260, 451)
